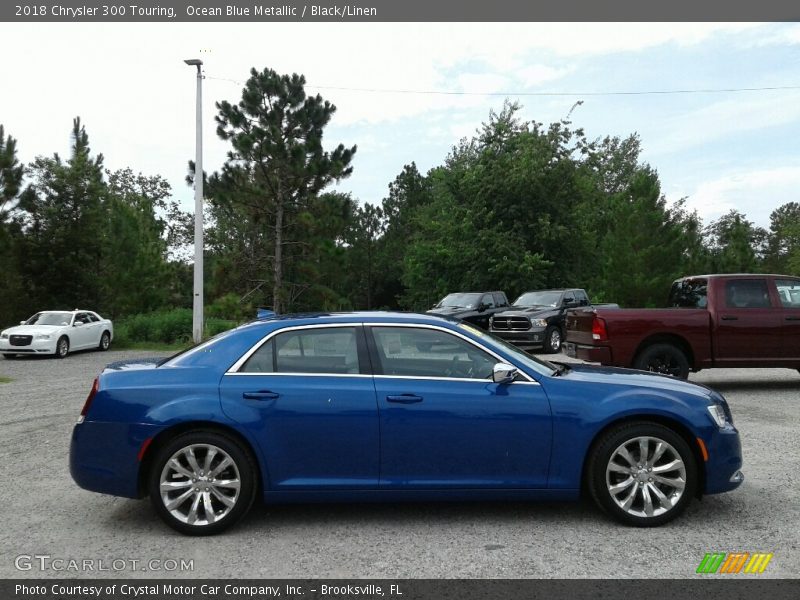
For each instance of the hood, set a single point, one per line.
(531, 312)
(617, 376)
(449, 310)
(33, 329)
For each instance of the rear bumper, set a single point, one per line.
(598, 354)
(104, 457)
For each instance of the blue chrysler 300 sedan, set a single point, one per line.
(389, 406)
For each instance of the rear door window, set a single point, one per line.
(747, 293)
(331, 351)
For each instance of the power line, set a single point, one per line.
(611, 93)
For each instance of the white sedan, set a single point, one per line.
(57, 333)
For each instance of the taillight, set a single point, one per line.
(88, 403)
(599, 332)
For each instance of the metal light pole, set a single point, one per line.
(197, 304)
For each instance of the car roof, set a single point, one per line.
(356, 317)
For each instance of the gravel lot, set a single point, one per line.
(46, 513)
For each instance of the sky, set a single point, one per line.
(136, 97)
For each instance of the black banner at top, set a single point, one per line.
(254, 11)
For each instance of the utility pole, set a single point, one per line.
(197, 304)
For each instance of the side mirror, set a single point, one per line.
(570, 304)
(77, 323)
(503, 373)
(482, 307)
(22, 322)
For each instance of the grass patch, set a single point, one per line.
(6, 380)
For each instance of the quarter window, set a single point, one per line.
(789, 292)
(322, 351)
(412, 352)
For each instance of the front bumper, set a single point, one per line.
(530, 338)
(723, 468)
(35, 347)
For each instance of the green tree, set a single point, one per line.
(735, 244)
(277, 165)
(783, 240)
(61, 214)
(11, 174)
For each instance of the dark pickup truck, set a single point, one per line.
(537, 319)
(473, 307)
(714, 321)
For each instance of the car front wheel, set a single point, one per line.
(62, 347)
(552, 340)
(202, 482)
(642, 474)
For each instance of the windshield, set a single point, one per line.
(538, 299)
(537, 365)
(459, 301)
(50, 318)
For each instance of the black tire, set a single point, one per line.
(599, 478)
(62, 347)
(553, 340)
(665, 359)
(244, 468)
(105, 341)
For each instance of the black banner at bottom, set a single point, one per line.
(707, 588)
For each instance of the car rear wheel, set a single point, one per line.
(105, 341)
(552, 340)
(643, 474)
(665, 359)
(202, 482)
(62, 347)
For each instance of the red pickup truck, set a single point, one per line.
(714, 321)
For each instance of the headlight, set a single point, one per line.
(43, 336)
(539, 322)
(717, 415)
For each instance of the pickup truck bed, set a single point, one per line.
(723, 329)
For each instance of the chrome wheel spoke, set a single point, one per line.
(644, 450)
(623, 452)
(178, 500)
(663, 500)
(674, 482)
(670, 466)
(207, 508)
(222, 497)
(224, 464)
(626, 504)
(192, 516)
(232, 484)
(212, 452)
(171, 486)
(657, 453)
(648, 501)
(179, 468)
(192, 460)
(614, 467)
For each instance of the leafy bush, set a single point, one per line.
(172, 326)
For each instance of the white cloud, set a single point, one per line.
(756, 193)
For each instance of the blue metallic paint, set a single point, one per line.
(337, 437)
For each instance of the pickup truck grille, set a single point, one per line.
(511, 323)
(20, 340)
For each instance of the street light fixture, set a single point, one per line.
(197, 304)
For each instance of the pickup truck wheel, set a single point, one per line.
(552, 340)
(665, 359)
(643, 474)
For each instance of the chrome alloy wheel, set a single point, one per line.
(646, 476)
(555, 341)
(200, 484)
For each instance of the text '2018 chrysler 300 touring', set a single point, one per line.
(390, 406)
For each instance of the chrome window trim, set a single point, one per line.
(457, 334)
(234, 369)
